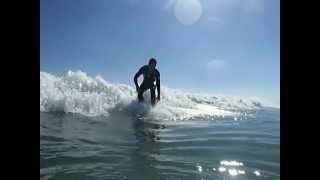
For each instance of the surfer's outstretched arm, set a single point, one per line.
(136, 78)
(158, 85)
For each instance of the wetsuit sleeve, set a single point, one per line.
(137, 75)
(158, 82)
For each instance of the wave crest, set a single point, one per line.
(76, 92)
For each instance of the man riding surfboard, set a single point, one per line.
(150, 75)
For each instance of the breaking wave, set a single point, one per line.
(76, 92)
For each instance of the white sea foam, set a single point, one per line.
(77, 92)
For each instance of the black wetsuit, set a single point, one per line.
(148, 82)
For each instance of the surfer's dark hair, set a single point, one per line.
(152, 60)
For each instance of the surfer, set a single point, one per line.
(150, 75)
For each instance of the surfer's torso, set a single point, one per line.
(149, 76)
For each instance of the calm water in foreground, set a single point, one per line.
(119, 146)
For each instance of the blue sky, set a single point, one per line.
(227, 47)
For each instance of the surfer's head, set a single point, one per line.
(152, 63)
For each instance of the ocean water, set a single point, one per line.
(93, 129)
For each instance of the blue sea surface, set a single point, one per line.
(119, 146)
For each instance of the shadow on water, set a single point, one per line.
(147, 149)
